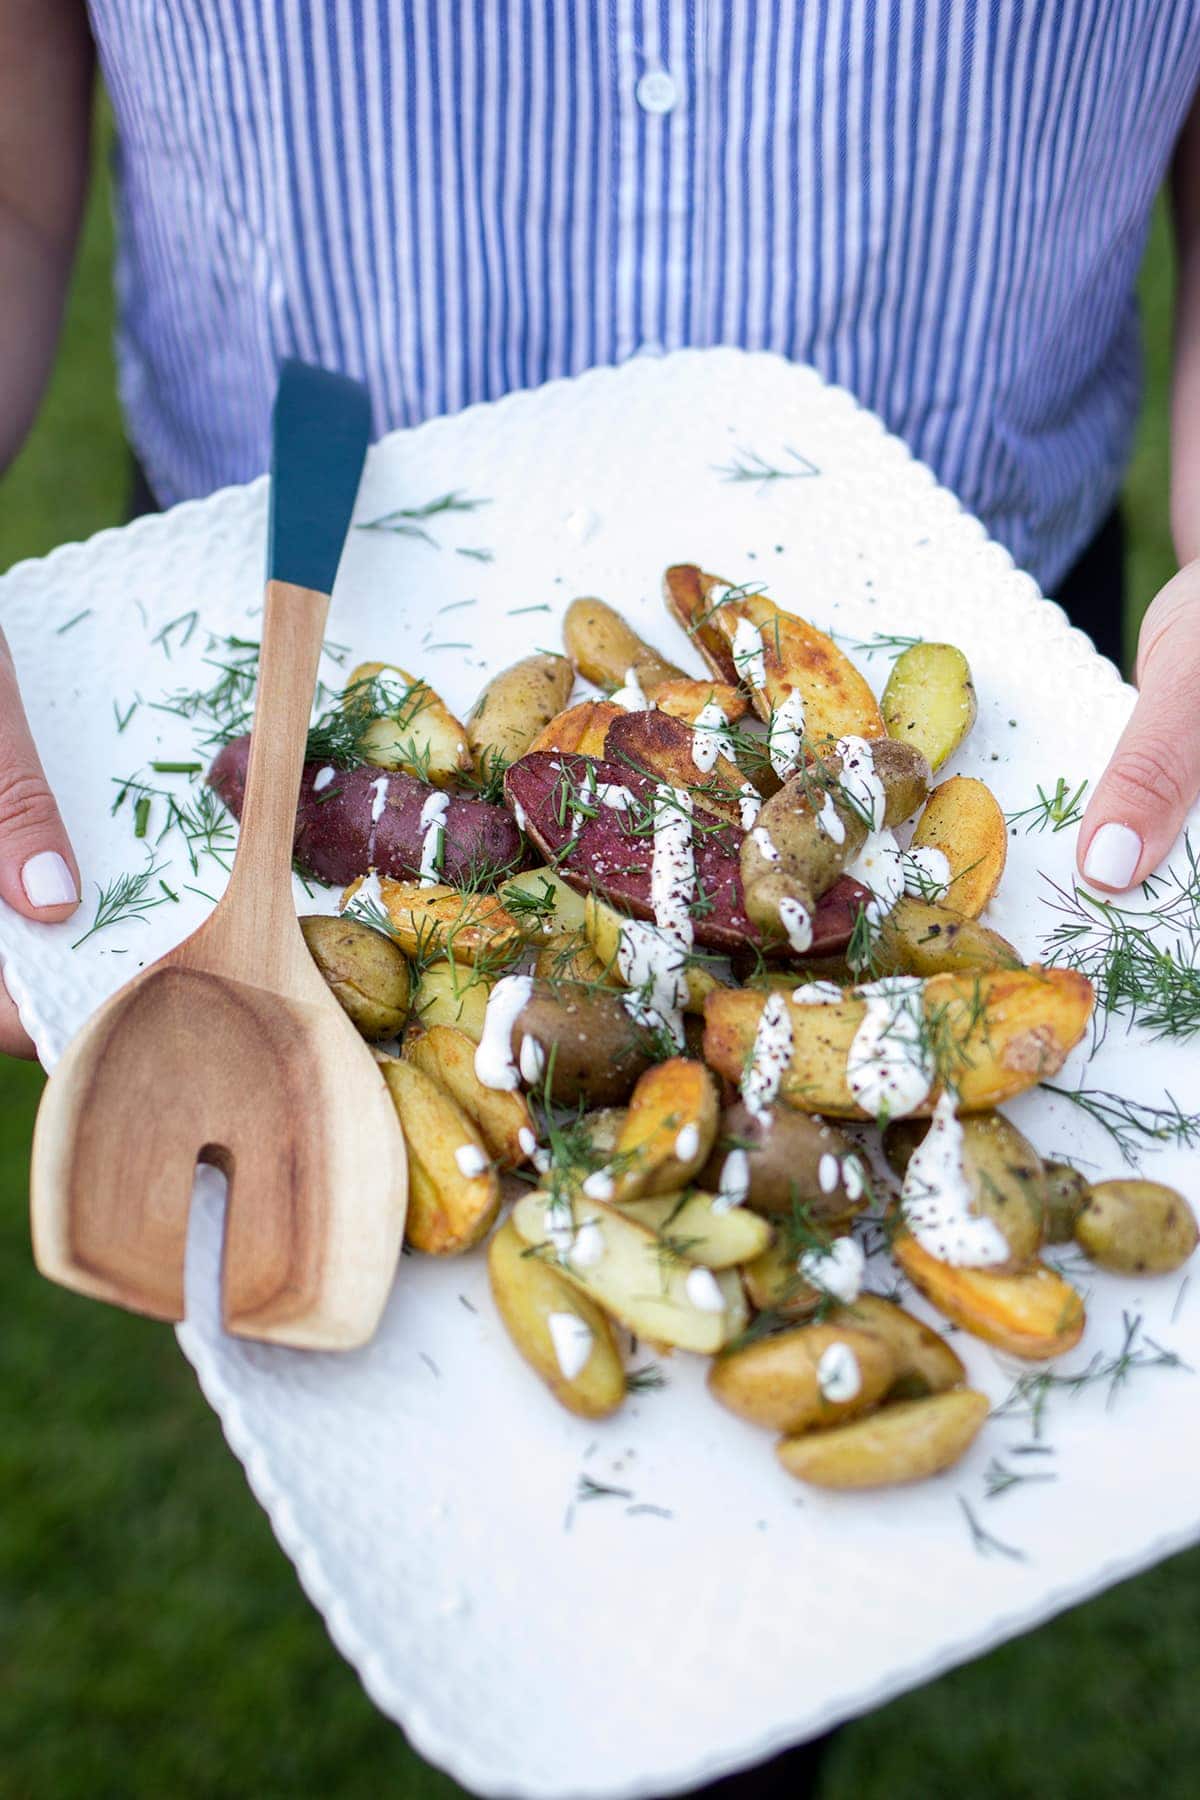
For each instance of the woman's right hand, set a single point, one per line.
(39, 876)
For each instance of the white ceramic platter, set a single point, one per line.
(531, 1642)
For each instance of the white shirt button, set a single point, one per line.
(656, 91)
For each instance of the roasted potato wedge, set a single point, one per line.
(776, 655)
(624, 1267)
(515, 706)
(686, 699)
(918, 937)
(604, 1127)
(414, 729)
(573, 959)
(924, 1361)
(604, 648)
(582, 1043)
(1136, 1227)
(668, 1132)
(581, 728)
(560, 1332)
(444, 919)
(785, 1158)
(703, 1233)
(1000, 1032)
(452, 993)
(779, 1381)
(500, 1115)
(905, 1442)
(774, 1284)
(662, 746)
(604, 925)
(1066, 1191)
(1034, 1315)
(453, 1191)
(368, 973)
(962, 820)
(929, 700)
(542, 903)
(1003, 1172)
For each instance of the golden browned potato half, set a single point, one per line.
(925, 1363)
(452, 993)
(555, 1327)
(1003, 1172)
(367, 972)
(447, 921)
(453, 1190)
(581, 728)
(501, 1116)
(929, 700)
(906, 1442)
(777, 1382)
(415, 729)
(668, 1131)
(1034, 1314)
(515, 706)
(962, 819)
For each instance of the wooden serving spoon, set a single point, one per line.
(231, 1050)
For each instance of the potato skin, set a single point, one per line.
(919, 937)
(448, 1211)
(593, 1052)
(420, 735)
(925, 1363)
(1003, 1170)
(673, 1100)
(1066, 1191)
(929, 701)
(784, 1153)
(367, 972)
(514, 707)
(452, 993)
(1035, 1314)
(581, 728)
(527, 1290)
(500, 1116)
(774, 1382)
(962, 819)
(907, 1441)
(1136, 1227)
(603, 647)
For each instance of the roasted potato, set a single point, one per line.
(367, 972)
(604, 1126)
(514, 707)
(668, 1132)
(962, 821)
(663, 747)
(699, 1230)
(542, 903)
(686, 699)
(776, 655)
(445, 920)
(500, 1115)
(905, 1442)
(633, 1275)
(1066, 1190)
(452, 993)
(604, 648)
(1002, 1170)
(604, 926)
(453, 1190)
(413, 729)
(584, 1046)
(349, 821)
(789, 1381)
(918, 937)
(786, 1157)
(581, 728)
(774, 1284)
(929, 700)
(1136, 1227)
(573, 960)
(1035, 1314)
(996, 1034)
(560, 1332)
(924, 1361)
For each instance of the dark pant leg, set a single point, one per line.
(793, 1775)
(141, 499)
(1092, 594)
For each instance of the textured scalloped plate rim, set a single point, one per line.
(431, 1740)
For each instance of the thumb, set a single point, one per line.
(38, 873)
(1144, 795)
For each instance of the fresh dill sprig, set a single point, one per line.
(646, 1380)
(1031, 1393)
(893, 642)
(1058, 810)
(997, 1479)
(748, 465)
(409, 521)
(127, 896)
(1133, 1125)
(985, 1541)
(588, 1489)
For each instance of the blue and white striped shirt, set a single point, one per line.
(942, 204)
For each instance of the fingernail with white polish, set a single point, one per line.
(1112, 856)
(48, 881)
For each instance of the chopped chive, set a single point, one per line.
(177, 768)
(141, 816)
(85, 614)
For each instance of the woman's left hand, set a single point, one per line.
(1148, 788)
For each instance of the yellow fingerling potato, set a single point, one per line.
(795, 656)
(414, 729)
(604, 925)
(924, 1361)
(962, 819)
(1000, 1032)
(783, 1157)
(718, 1239)
(781, 1381)
(920, 938)
(572, 959)
(774, 1284)
(502, 1118)
(514, 707)
(929, 700)
(628, 1270)
(580, 729)
(453, 1191)
(540, 900)
(1003, 1174)
(562, 1335)
(444, 919)
(1034, 1314)
(668, 1133)
(906, 1442)
(686, 699)
(1136, 1227)
(604, 648)
(452, 993)
(1066, 1191)
(367, 972)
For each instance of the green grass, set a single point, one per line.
(153, 1640)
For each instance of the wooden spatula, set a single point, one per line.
(231, 1050)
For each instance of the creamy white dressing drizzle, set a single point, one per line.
(588, 1247)
(750, 804)
(433, 827)
(927, 872)
(829, 1172)
(494, 1062)
(889, 1068)
(769, 1058)
(379, 794)
(817, 993)
(704, 1291)
(747, 653)
(599, 1185)
(532, 1061)
(520, 815)
(762, 839)
(708, 736)
(687, 1143)
(830, 821)
(614, 794)
(938, 1202)
(879, 866)
(796, 920)
(652, 959)
(860, 784)
(471, 1161)
(785, 734)
(322, 779)
(572, 1339)
(733, 1183)
(854, 1178)
(527, 1141)
(837, 1271)
(632, 696)
(838, 1374)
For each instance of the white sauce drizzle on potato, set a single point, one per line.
(816, 993)
(889, 1068)
(572, 1339)
(838, 1374)
(938, 1202)
(433, 827)
(652, 959)
(471, 1161)
(703, 1290)
(796, 920)
(927, 872)
(830, 821)
(785, 734)
(708, 736)
(837, 1271)
(860, 784)
(733, 1183)
(494, 1062)
(747, 652)
(879, 866)
(769, 1058)
(687, 1143)
(322, 779)
(632, 696)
